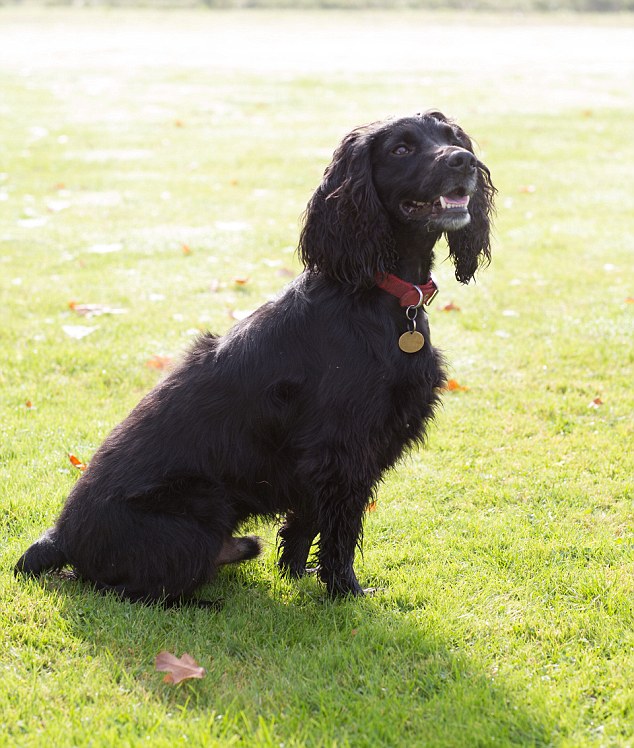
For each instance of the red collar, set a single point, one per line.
(408, 294)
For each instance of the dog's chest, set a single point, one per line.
(411, 395)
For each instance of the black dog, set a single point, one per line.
(299, 409)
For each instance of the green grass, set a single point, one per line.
(503, 552)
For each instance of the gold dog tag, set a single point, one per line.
(411, 341)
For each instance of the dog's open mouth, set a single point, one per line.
(454, 203)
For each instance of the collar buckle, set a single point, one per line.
(407, 292)
(428, 297)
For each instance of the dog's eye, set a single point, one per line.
(401, 150)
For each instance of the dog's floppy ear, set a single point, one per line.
(346, 233)
(470, 247)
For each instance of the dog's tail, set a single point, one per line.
(43, 555)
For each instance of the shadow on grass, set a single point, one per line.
(308, 671)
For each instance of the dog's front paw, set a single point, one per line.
(294, 551)
(341, 584)
(291, 568)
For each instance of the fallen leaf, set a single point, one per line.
(37, 132)
(240, 314)
(186, 249)
(450, 307)
(56, 206)
(629, 300)
(77, 331)
(371, 507)
(76, 462)
(105, 249)
(241, 281)
(285, 273)
(94, 310)
(453, 386)
(527, 189)
(596, 403)
(29, 404)
(179, 123)
(32, 222)
(178, 669)
(159, 362)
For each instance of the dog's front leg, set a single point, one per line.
(296, 539)
(341, 525)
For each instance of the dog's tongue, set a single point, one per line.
(453, 201)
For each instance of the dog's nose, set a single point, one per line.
(462, 160)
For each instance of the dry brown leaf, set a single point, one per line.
(528, 189)
(241, 281)
(93, 310)
(76, 462)
(159, 362)
(371, 507)
(29, 404)
(596, 403)
(450, 307)
(629, 300)
(186, 249)
(178, 668)
(454, 386)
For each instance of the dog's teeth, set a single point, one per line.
(415, 205)
(461, 202)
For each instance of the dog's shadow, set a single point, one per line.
(368, 670)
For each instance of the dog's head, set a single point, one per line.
(415, 173)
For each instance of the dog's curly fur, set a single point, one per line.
(300, 408)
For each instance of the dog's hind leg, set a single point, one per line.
(160, 546)
(157, 558)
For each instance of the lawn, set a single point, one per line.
(155, 165)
